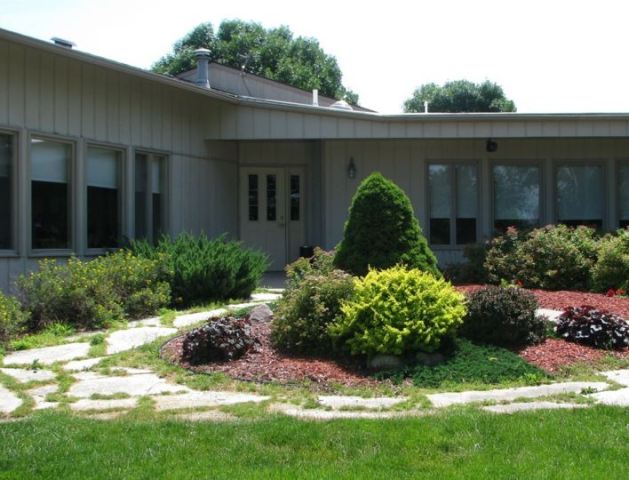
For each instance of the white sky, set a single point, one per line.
(549, 55)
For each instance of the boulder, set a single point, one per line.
(260, 313)
(384, 362)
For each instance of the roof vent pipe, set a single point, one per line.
(62, 42)
(203, 57)
(315, 97)
(425, 107)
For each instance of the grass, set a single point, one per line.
(584, 443)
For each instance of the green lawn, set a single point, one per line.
(589, 443)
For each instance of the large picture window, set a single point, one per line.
(623, 191)
(453, 204)
(6, 191)
(580, 198)
(516, 196)
(50, 194)
(103, 198)
(150, 196)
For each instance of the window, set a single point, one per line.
(50, 194)
(271, 198)
(453, 204)
(103, 198)
(295, 198)
(516, 197)
(623, 190)
(580, 195)
(6, 191)
(253, 198)
(150, 195)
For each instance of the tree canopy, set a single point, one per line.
(460, 96)
(272, 53)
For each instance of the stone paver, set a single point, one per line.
(207, 416)
(618, 376)
(239, 306)
(195, 399)
(619, 398)
(9, 401)
(320, 414)
(80, 365)
(123, 340)
(510, 394)
(105, 416)
(24, 375)
(39, 396)
(341, 401)
(90, 383)
(265, 297)
(48, 355)
(192, 318)
(107, 404)
(529, 406)
(147, 322)
(553, 315)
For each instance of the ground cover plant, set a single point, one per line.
(590, 326)
(202, 270)
(382, 231)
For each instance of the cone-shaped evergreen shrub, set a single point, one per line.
(382, 231)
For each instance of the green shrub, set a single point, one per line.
(12, 318)
(398, 311)
(503, 316)
(612, 266)
(307, 309)
(555, 257)
(471, 364)
(322, 263)
(382, 231)
(201, 270)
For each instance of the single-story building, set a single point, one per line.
(93, 151)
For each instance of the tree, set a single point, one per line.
(382, 231)
(272, 53)
(460, 96)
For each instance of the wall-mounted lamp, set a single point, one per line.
(491, 145)
(351, 169)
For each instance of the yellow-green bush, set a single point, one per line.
(12, 318)
(398, 311)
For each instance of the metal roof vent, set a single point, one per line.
(203, 57)
(62, 42)
(341, 105)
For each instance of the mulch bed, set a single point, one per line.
(561, 299)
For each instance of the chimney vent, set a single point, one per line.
(62, 42)
(203, 57)
(315, 97)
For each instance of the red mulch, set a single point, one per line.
(563, 298)
(554, 353)
(265, 364)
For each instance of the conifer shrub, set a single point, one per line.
(398, 311)
(382, 231)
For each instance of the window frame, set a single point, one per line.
(121, 150)
(539, 164)
(151, 155)
(620, 163)
(72, 197)
(453, 213)
(602, 163)
(14, 249)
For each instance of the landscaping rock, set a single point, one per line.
(113, 404)
(39, 396)
(80, 365)
(430, 359)
(384, 362)
(204, 399)
(91, 383)
(192, 318)
(261, 313)
(123, 340)
(340, 401)
(618, 398)
(522, 407)
(510, 394)
(28, 375)
(48, 355)
(552, 315)
(9, 401)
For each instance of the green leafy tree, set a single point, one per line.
(382, 231)
(460, 96)
(272, 53)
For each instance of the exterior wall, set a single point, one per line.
(52, 95)
(406, 161)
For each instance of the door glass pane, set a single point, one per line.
(295, 198)
(516, 196)
(624, 195)
(102, 198)
(158, 186)
(6, 191)
(440, 203)
(271, 198)
(141, 182)
(466, 204)
(580, 195)
(252, 197)
(50, 200)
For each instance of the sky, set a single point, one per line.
(549, 56)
